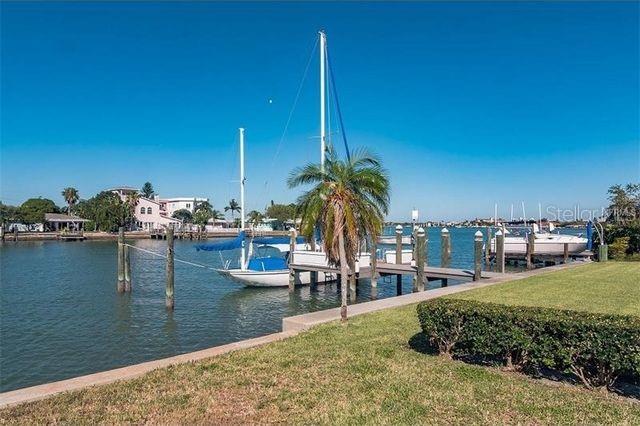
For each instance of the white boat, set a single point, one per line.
(274, 271)
(545, 243)
(391, 239)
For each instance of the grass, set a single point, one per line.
(371, 370)
(610, 288)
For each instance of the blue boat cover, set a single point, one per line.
(236, 243)
(267, 264)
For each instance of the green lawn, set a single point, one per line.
(612, 287)
(371, 370)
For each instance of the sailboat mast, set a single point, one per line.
(323, 42)
(242, 254)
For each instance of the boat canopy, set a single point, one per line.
(236, 243)
(267, 264)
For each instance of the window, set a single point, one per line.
(188, 205)
(141, 210)
(148, 210)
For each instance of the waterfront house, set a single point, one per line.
(155, 213)
(59, 222)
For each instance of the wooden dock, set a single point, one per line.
(385, 269)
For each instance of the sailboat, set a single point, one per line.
(273, 271)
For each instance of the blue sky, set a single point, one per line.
(469, 104)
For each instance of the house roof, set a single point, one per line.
(59, 217)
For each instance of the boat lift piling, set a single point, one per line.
(169, 289)
(445, 252)
(399, 258)
(120, 286)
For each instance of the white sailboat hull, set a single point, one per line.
(279, 278)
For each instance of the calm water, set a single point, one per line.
(61, 316)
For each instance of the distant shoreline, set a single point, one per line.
(138, 235)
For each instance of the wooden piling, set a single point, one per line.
(487, 249)
(169, 289)
(15, 234)
(120, 283)
(565, 254)
(127, 269)
(445, 248)
(500, 251)
(531, 244)
(445, 252)
(477, 258)
(292, 247)
(399, 258)
(418, 279)
(352, 286)
(374, 265)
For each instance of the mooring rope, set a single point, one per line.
(199, 265)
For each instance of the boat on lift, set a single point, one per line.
(546, 243)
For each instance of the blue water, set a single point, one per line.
(61, 316)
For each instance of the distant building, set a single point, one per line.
(155, 213)
(59, 221)
(172, 205)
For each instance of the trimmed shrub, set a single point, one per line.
(596, 348)
(618, 249)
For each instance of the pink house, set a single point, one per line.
(151, 214)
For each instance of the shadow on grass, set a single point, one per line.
(419, 343)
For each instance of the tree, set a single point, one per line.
(147, 190)
(255, 217)
(624, 203)
(183, 215)
(71, 196)
(281, 212)
(33, 210)
(348, 201)
(233, 207)
(9, 214)
(204, 205)
(217, 214)
(108, 211)
(201, 217)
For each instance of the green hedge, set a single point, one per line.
(596, 348)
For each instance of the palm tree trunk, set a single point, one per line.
(344, 278)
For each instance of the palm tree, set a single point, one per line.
(217, 214)
(204, 205)
(255, 217)
(348, 201)
(233, 207)
(71, 197)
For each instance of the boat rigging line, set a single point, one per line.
(186, 262)
(291, 111)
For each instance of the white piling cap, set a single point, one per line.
(498, 233)
(445, 231)
(398, 227)
(421, 230)
(478, 233)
